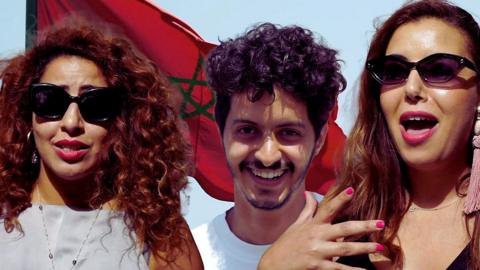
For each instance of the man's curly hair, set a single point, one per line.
(269, 55)
(145, 161)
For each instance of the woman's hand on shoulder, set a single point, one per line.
(311, 242)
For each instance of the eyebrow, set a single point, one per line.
(243, 121)
(82, 88)
(298, 124)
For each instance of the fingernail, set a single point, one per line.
(379, 248)
(305, 194)
(349, 191)
(380, 224)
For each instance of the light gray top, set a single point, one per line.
(108, 247)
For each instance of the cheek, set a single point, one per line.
(457, 100)
(460, 105)
(299, 153)
(389, 101)
(236, 151)
(44, 131)
(98, 134)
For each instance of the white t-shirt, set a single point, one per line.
(222, 250)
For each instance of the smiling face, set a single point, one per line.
(269, 147)
(430, 123)
(69, 147)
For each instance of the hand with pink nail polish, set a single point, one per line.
(312, 241)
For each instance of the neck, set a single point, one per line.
(50, 189)
(262, 227)
(431, 188)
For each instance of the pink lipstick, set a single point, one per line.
(417, 126)
(71, 151)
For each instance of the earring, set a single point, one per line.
(35, 158)
(29, 136)
(472, 201)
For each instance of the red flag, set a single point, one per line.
(179, 52)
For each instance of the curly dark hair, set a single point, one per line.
(145, 161)
(269, 55)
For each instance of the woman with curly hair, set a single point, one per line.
(409, 155)
(91, 158)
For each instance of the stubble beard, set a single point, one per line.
(271, 205)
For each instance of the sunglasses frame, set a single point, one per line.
(76, 99)
(462, 61)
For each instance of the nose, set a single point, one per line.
(414, 87)
(269, 152)
(72, 121)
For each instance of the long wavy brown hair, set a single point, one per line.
(371, 162)
(145, 161)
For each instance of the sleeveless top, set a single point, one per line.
(109, 246)
(460, 262)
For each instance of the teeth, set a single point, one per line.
(419, 118)
(69, 148)
(268, 174)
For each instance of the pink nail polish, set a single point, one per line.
(305, 194)
(380, 224)
(349, 191)
(379, 248)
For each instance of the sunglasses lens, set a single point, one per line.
(390, 70)
(439, 69)
(96, 105)
(49, 101)
(100, 105)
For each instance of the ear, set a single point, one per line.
(321, 139)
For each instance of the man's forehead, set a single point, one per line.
(267, 99)
(277, 123)
(280, 107)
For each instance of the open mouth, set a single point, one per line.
(71, 145)
(70, 148)
(71, 151)
(415, 125)
(270, 175)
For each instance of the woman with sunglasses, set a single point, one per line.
(409, 154)
(91, 158)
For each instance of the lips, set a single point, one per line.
(417, 126)
(71, 151)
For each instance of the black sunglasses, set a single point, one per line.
(98, 104)
(435, 68)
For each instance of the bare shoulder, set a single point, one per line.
(190, 259)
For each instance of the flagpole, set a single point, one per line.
(30, 23)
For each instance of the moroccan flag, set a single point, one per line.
(179, 52)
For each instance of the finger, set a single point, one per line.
(328, 210)
(353, 228)
(342, 249)
(309, 209)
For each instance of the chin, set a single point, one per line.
(71, 172)
(268, 204)
(422, 163)
(73, 176)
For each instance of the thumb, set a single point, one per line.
(309, 209)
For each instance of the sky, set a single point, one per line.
(345, 25)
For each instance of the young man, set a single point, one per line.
(275, 88)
